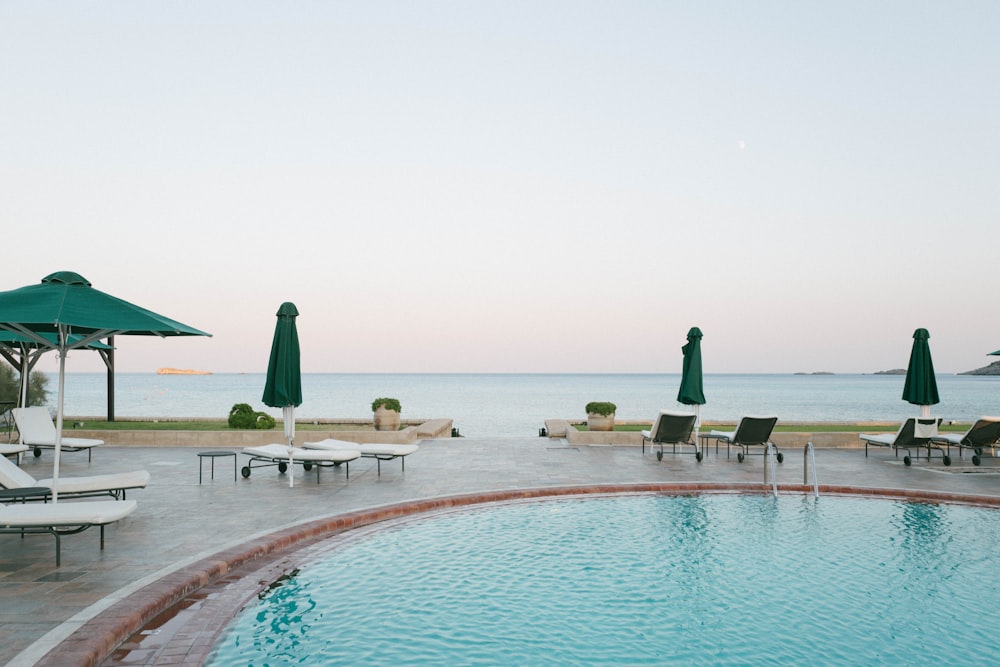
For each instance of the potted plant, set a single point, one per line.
(386, 411)
(601, 416)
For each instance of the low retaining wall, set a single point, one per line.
(434, 428)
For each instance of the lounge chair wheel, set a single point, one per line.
(976, 460)
(781, 457)
(38, 452)
(245, 471)
(946, 460)
(282, 467)
(307, 466)
(740, 457)
(659, 456)
(906, 460)
(698, 456)
(979, 451)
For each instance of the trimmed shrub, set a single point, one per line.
(387, 403)
(604, 409)
(243, 416)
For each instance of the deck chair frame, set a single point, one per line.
(671, 428)
(308, 459)
(379, 452)
(985, 433)
(906, 438)
(27, 418)
(751, 432)
(49, 519)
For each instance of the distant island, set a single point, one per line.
(180, 371)
(992, 369)
(894, 371)
(815, 373)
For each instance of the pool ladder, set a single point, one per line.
(808, 462)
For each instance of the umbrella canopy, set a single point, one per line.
(76, 315)
(920, 387)
(691, 391)
(283, 387)
(994, 354)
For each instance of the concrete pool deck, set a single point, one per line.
(51, 615)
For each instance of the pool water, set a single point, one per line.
(711, 579)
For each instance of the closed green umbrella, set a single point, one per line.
(920, 387)
(65, 305)
(283, 387)
(691, 391)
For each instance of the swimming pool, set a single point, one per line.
(643, 580)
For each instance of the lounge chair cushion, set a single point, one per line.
(881, 439)
(281, 452)
(12, 477)
(366, 448)
(94, 513)
(9, 450)
(137, 479)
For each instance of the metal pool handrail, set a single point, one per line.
(771, 469)
(809, 460)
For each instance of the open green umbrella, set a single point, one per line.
(920, 387)
(65, 305)
(283, 387)
(691, 391)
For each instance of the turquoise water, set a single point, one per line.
(518, 404)
(644, 580)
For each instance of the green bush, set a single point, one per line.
(38, 391)
(387, 403)
(604, 409)
(244, 417)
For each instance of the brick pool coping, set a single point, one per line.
(177, 619)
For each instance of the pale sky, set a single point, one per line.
(537, 186)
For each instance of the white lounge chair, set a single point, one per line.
(38, 432)
(278, 455)
(13, 450)
(373, 450)
(985, 433)
(750, 432)
(914, 433)
(114, 485)
(62, 518)
(671, 428)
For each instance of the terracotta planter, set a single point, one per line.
(597, 422)
(386, 420)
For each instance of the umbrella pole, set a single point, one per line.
(59, 423)
(925, 411)
(24, 377)
(288, 417)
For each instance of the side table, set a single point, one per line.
(211, 455)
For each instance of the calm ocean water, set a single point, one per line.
(483, 405)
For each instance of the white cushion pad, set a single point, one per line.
(65, 513)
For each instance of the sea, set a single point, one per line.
(517, 404)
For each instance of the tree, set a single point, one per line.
(10, 385)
